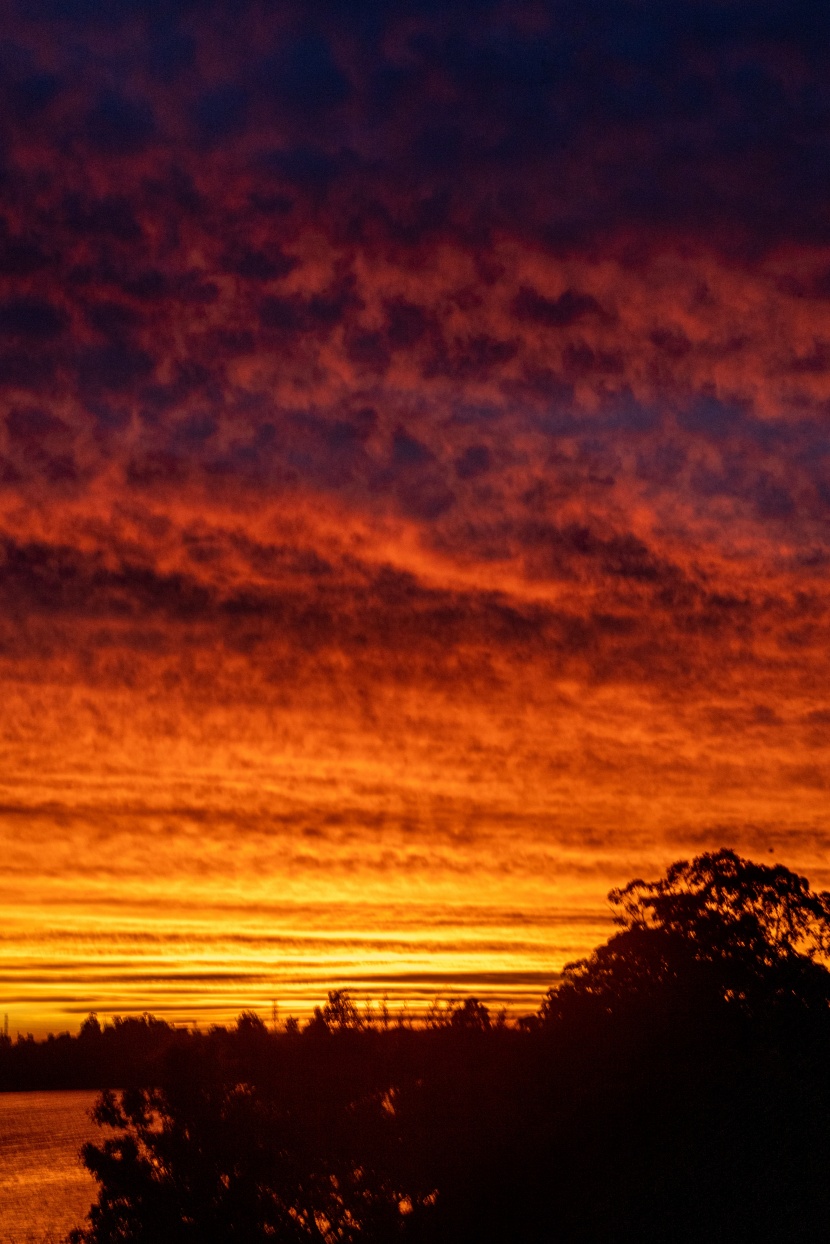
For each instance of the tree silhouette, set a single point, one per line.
(339, 1014)
(676, 1086)
(720, 930)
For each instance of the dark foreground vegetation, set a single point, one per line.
(676, 1087)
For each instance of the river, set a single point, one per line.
(44, 1190)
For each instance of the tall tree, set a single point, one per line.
(721, 929)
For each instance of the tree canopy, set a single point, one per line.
(720, 929)
(676, 1085)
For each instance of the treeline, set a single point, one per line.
(134, 1051)
(126, 1053)
(676, 1086)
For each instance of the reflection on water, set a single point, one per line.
(44, 1190)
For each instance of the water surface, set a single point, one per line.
(44, 1190)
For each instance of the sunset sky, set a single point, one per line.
(414, 486)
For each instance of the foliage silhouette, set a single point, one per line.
(720, 930)
(676, 1086)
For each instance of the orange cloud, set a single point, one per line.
(413, 491)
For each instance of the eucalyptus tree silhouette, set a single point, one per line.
(719, 931)
(695, 1045)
